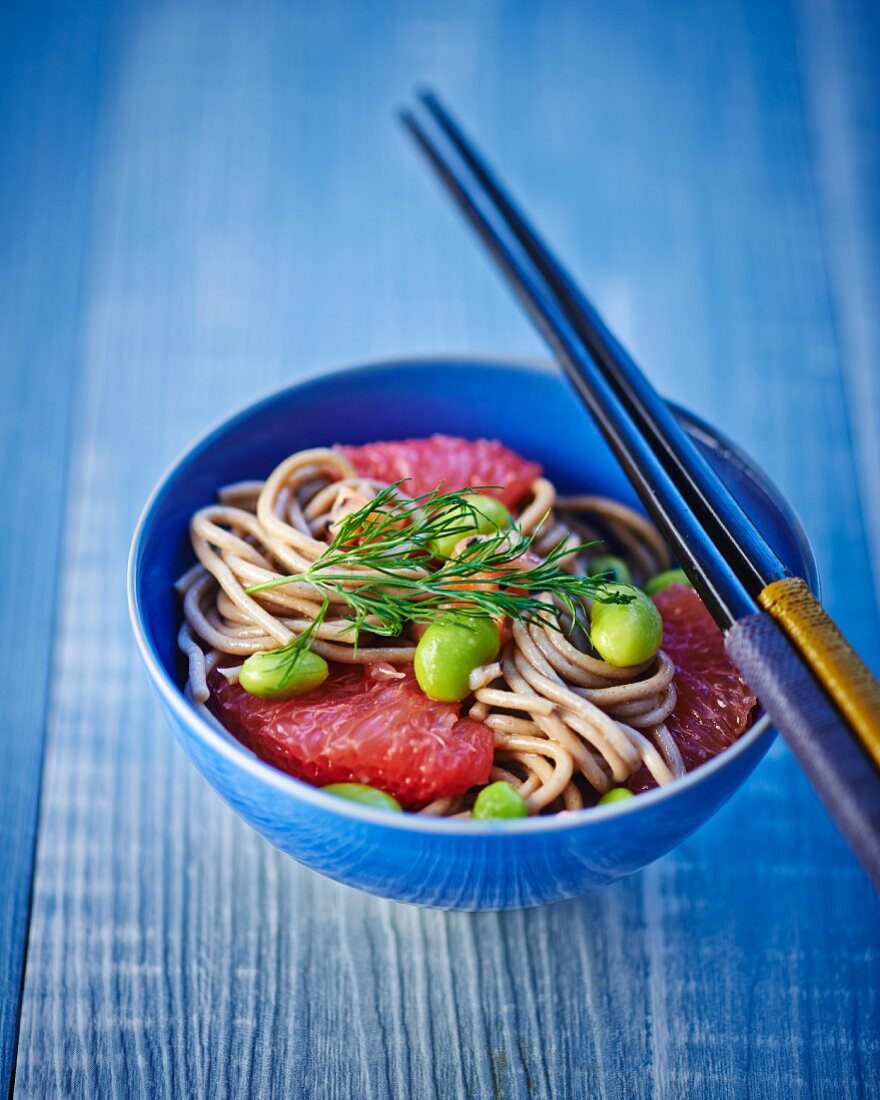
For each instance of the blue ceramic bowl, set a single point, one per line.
(455, 864)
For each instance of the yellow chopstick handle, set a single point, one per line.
(833, 661)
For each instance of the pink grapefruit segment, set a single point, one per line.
(447, 462)
(714, 706)
(362, 725)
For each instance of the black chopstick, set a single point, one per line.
(817, 691)
(743, 546)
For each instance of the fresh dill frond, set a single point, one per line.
(383, 564)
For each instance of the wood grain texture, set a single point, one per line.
(47, 102)
(256, 213)
(840, 47)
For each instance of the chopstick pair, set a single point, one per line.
(817, 691)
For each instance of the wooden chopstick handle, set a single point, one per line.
(820, 736)
(833, 661)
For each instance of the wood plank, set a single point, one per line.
(47, 100)
(258, 214)
(840, 46)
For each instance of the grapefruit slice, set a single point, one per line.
(714, 705)
(364, 724)
(447, 462)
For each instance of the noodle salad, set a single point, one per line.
(427, 625)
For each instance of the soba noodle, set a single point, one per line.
(565, 722)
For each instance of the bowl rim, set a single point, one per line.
(240, 757)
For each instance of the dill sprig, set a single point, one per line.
(384, 565)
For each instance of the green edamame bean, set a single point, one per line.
(447, 654)
(665, 579)
(365, 795)
(499, 800)
(275, 674)
(625, 634)
(488, 515)
(616, 794)
(616, 568)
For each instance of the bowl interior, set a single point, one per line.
(529, 408)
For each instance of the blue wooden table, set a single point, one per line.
(199, 201)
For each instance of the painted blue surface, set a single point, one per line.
(47, 107)
(449, 865)
(203, 200)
